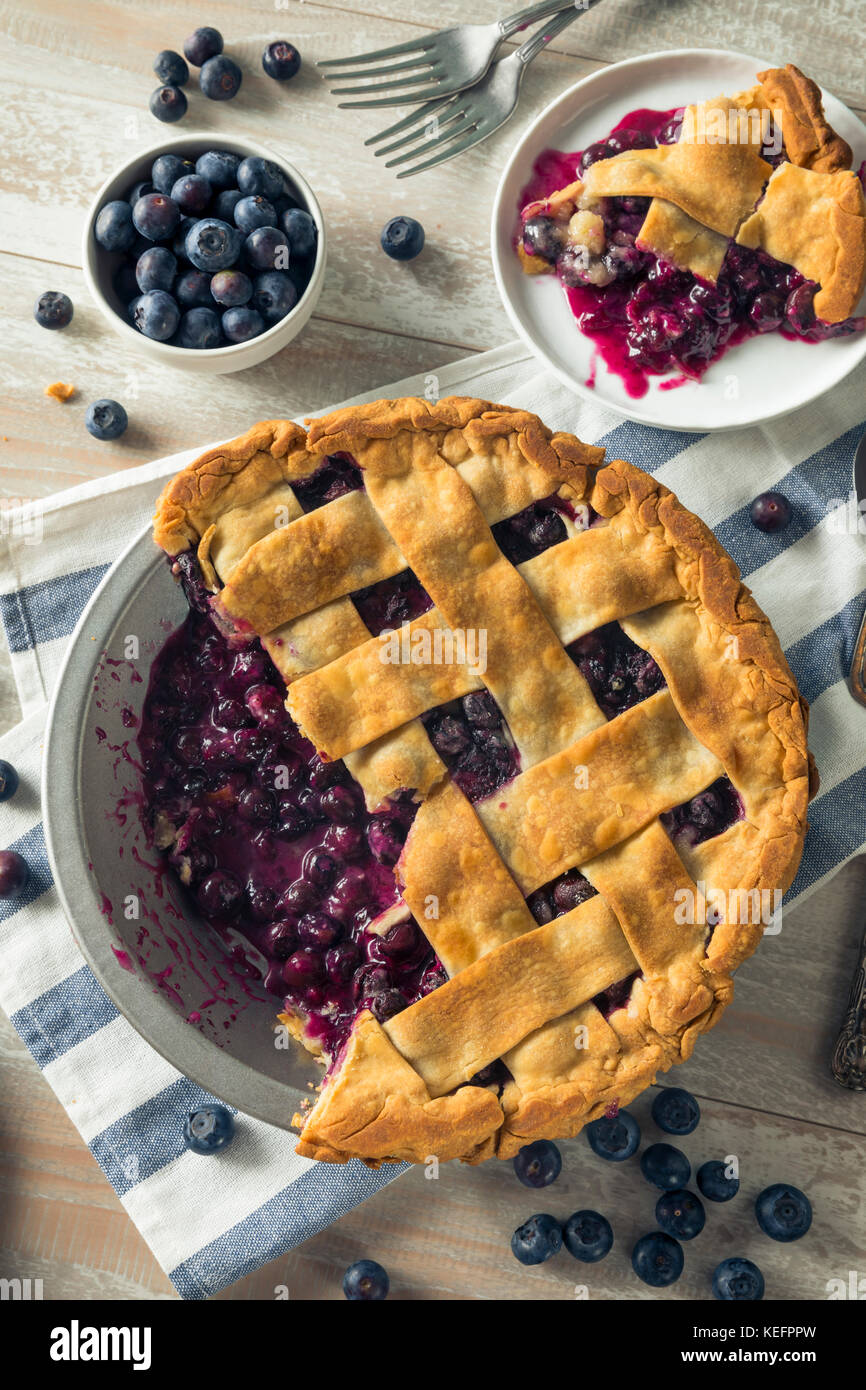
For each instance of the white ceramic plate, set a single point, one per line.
(760, 379)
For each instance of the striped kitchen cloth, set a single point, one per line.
(209, 1223)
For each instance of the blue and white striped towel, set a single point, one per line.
(209, 1223)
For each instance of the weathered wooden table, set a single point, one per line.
(76, 80)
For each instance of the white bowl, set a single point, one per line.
(100, 265)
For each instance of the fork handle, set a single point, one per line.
(524, 18)
(542, 37)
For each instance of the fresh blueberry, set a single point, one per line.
(614, 1137)
(220, 78)
(274, 295)
(219, 167)
(300, 228)
(106, 419)
(784, 1213)
(139, 190)
(266, 248)
(537, 1239)
(714, 1184)
(192, 289)
(242, 323)
(231, 287)
(225, 204)
(738, 1280)
(156, 216)
(170, 68)
(209, 1129)
(155, 269)
(114, 228)
(53, 309)
(213, 245)
(8, 780)
(770, 512)
(281, 60)
(168, 104)
(681, 1214)
(366, 1281)
(167, 169)
(402, 238)
(156, 315)
(200, 328)
(192, 193)
(658, 1259)
(664, 1166)
(538, 1164)
(676, 1111)
(254, 211)
(14, 874)
(588, 1236)
(202, 44)
(257, 175)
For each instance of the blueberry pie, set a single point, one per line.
(686, 231)
(463, 727)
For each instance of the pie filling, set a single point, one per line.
(645, 317)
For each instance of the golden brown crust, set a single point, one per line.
(810, 140)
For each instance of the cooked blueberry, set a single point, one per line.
(658, 1259)
(200, 328)
(402, 238)
(114, 228)
(481, 710)
(220, 895)
(340, 805)
(258, 175)
(156, 315)
(155, 216)
(385, 838)
(541, 907)
(155, 269)
(14, 874)
(365, 1281)
(449, 736)
(170, 68)
(543, 237)
(738, 1280)
(53, 309)
(8, 780)
(770, 512)
(570, 891)
(800, 308)
(254, 211)
(304, 967)
(192, 289)
(209, 1129)
(320, 867)
(220, 78)
(401, 941)
(212, 244)
(341, 962)
(784, 1213)
(301, 230)
(537, 1239)
(105, 419)
(767, 312)
(225, 204)
(202, 44)
(267, 248)
(261, 900)
(676, 1111)
(345, 840)
(298, 898)
(231, 287)
(714, 1183)
(588, 1236)
(192, 193)
(387, 1004)
(681, 1214)
(318, 929)
(664, 1166)
(138, 190)
(167, 169)
(281, 60)
(592, 154)
(168, 104)
(538, 1164)
(614, 1137)
(281, 939)
(274, 295)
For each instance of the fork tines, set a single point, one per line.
(424, 69)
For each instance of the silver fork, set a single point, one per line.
(461, 121)
(447, 61)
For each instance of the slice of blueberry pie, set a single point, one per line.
(686, 231)
(483, 746)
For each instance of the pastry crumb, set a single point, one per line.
(59, 391)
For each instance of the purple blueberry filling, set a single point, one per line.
(707, 814)
(616, 996)
(392, 602)
(471, 737)
(559, 896)
(539, 526)
(619, 673)
(336, 475)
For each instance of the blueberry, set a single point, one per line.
(212, 244)
(200, 328)
(220, 895)
(676, 1111)
(257, 175)
(192, 289)
(192, 193)
(53, 309)
(8, 780)
(664, 1166)
(301, 230)
(14, 874)
(178, 241)
(225, 204)
(714, 1184)
(784, 1213)
(155, 216)
(543, 237)
(402, 238)
(202, 44)
(138, 190)
(303, 968)
(220, 78)
(681, 1214)
(266, 248)
(537, 1239)
(156, 315)
(274, 295)
(384, 839)
(155, 269)
(738, 1280)
(770, 512)
(167, 169)
(106, 419)
(209, 1129)
(231, 287)
(219, 167)
(170, 68)
(658, 1259)
(538, 1164)
(242, 323)
(366, 1281)
(114, 228)
(168, 104)
(614, 1137)
(254, 211)
(281, 60)
(587, 1235)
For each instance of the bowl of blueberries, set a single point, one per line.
(207, 258)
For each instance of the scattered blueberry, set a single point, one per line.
(537, 1239)
(209, 1129)
(156, 315)
(266, 248)
(202, 44)
(664, 1166)
(225, 204)
(588, 1236)
(167, 169)
(257, 175)
(8, 780)
(219, 167)
(676, 1111)
(538, 1164)
(192, 193)
(658, 1259)
(770, 512)
(53, 309)
(231, 287)
(242, 323)
(614, 1137)
(200, 328)
(106, 419)
(168, 104)
(402, 238)
(155, 269)
(714, 1184)
(274, 295)
(254, 211)
(155, 216)
(139, 190)
(170, 68)
(739, 1280)
(784, 1213)
(114, 227)
(213, 245)
(366, 1281)
(220, 78)
(192, 289)
(301, 231)
(281, 60)
(14, 874)
(681, 1214)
